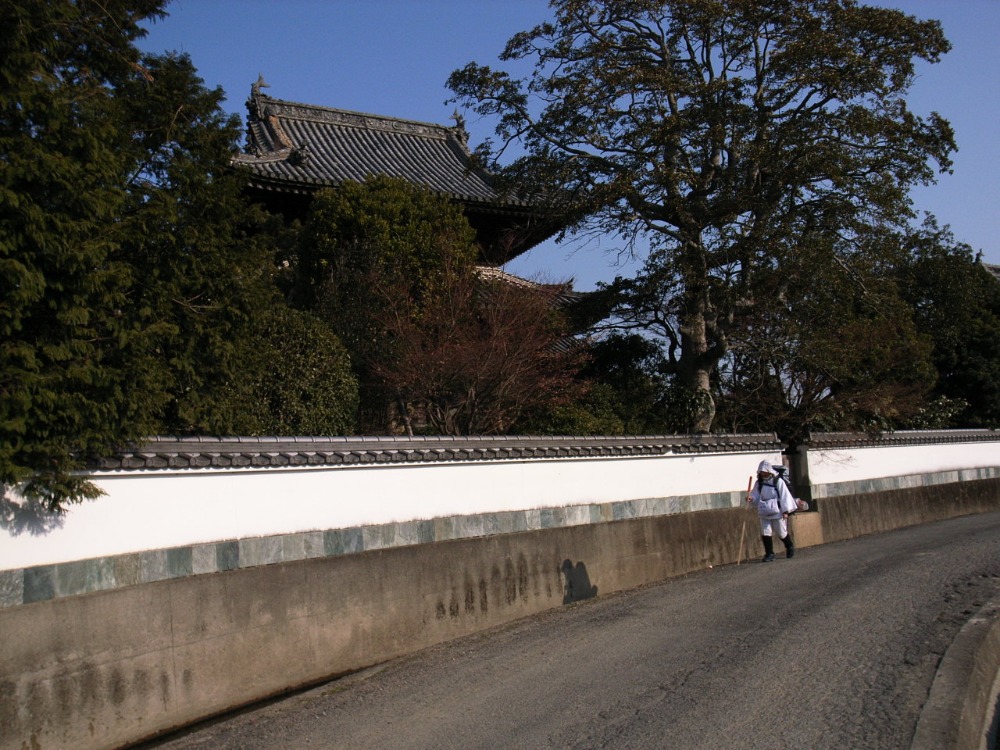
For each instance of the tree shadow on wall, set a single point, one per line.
(576, 584)
(19, 515)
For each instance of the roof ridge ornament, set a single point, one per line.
(460, 132)
(254, 105)
(300, 155)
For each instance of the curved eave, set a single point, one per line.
(308, 186)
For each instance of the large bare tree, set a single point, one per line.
(722, 133)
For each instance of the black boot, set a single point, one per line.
(768, 549)
(789, 546)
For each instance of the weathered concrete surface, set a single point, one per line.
(104, 669)
(834, 650)
(807, 529)
(960, 713)
(849, 516)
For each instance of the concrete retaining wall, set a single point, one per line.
(851, 515)
(86, 667)
(103, 669)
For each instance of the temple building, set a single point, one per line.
(294, 150)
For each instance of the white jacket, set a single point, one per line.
(772, 498)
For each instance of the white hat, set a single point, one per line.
(766, 468)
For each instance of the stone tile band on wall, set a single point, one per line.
(865, 486)
(45, 582)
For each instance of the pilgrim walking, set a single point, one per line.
(774, 502)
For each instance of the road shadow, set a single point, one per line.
(993, 735)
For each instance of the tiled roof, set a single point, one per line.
(563, 294)
(295, 147)
(832, 440)
(250, 452)
(993, 269)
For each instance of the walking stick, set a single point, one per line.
(743, 531)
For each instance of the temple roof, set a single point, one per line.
(296, 149)
(562, 293)
(302, 147)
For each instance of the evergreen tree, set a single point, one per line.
(830, 344)
(291, 376)
(628, 373)
(64, 392)
(197, 252)
(391, 268)
(135, 276)
(956, 303)
(364, 248)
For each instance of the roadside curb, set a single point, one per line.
(961, 709)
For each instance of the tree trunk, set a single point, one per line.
(696, 363)
(404, 414)
(695, 373)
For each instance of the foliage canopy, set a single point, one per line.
(723, 133)
(131, 266)
(956, 304)
(831, 345)
(391, 268)
(366, 247)
(64, 179)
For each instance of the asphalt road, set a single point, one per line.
(836, 648)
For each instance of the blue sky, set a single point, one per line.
(392, 57)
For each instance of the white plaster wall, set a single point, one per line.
(170, 508)
(855, 464)
(163, 509)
